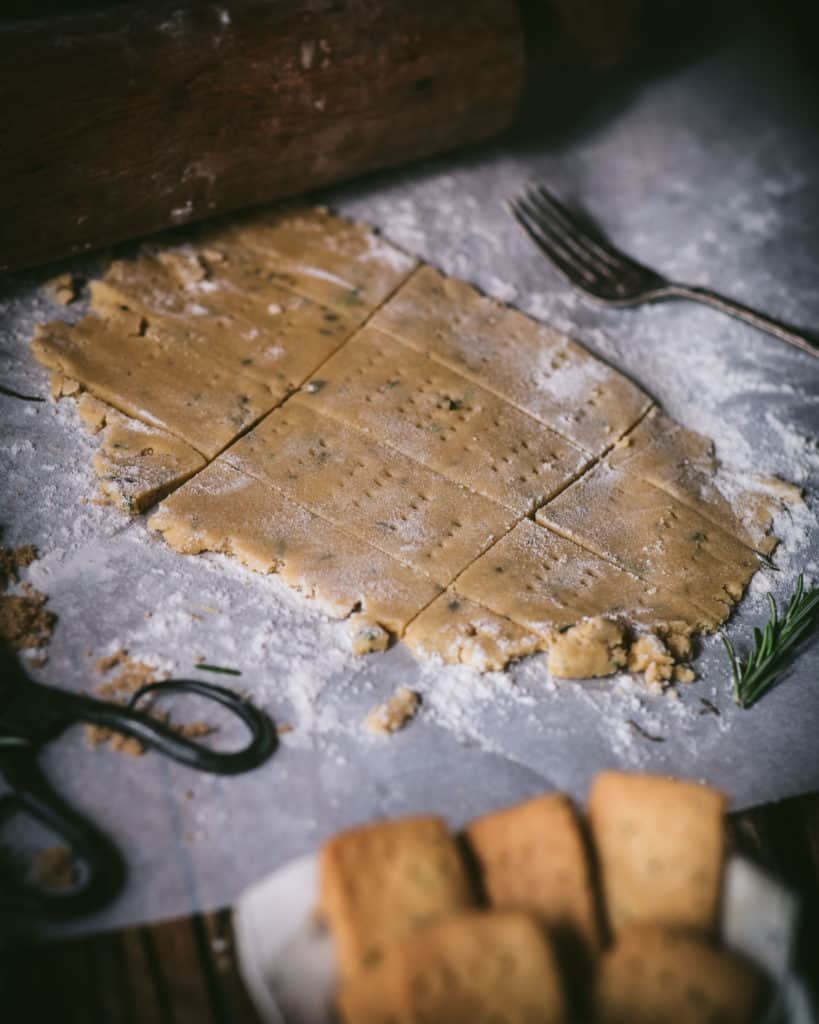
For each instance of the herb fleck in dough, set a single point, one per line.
(298, 393)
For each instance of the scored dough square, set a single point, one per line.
(544, 582)
(333, 261)
(533, 857)
(660, 846)
(156, 378)
(380, 881)
(443, 421)
(238, 319)
(470, 968)
(525, 362)
(682, 463)
(654, 974)
(459, 631)
(649, 533)
(224, 510)
(373, 492)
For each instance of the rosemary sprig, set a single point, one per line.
(217, 668)
(773, 646)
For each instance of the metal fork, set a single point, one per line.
(593, 265)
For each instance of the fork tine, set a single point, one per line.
(551, 220)
(614, 258)
(557, 254)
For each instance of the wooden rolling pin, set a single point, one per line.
(119, 122)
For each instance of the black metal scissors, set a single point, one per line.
(31, 714)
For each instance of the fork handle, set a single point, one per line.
(745, 313)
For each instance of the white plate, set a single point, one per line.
(286, 958)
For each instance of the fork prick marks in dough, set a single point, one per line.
(407, 433)
(444, 421)
(523, 362)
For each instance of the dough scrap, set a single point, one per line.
(221, 509)
(459, 631)
(385, 499)
(594, 647)
(137, 465)
(366, 637)
(444, 421)
(401, 708)
(522, 361)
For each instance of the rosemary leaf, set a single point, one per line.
(218, 668)
(774, 645)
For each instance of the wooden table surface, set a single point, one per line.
(184, 971)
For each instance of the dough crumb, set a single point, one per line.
(366, 637)
(61, 289)
(25, 622)
(62, 387)
(388, 718)
(650, 656)
(53, 868)
(594, 647)
(92, 412)
(12, 560)
(132, 675)
(684, 674)
(679, 644)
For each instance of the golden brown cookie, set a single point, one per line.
(660, 846)
(657, 976)
(380, 881)
(469, 968)
(532, 857)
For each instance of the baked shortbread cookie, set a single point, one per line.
(657, 976)
(469, 968)
(380, 881)
(532, 857)
(660, 845)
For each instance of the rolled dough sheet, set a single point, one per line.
(371, 491)
(397, 446)
(647, 532)
(226, 511)
(444, 421)
(522, 361)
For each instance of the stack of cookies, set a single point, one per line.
(530, 917)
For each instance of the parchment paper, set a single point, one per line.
(707, 172)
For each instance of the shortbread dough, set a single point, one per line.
(417, 458)
(137, 465)
(444, 421)
(224, 510)
(371, 491)
(524, 362)
(652, 536)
